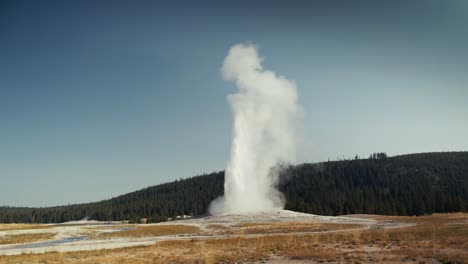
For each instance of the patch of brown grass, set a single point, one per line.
(25, 238)
(7, 227)
(153, 230)
(293, 227)
(217, 227)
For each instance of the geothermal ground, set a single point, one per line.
(276, 237)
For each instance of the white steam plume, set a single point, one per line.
(264, 111)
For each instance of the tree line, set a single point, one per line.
(412, 184)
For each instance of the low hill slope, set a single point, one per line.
(402, 185)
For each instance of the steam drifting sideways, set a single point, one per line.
(264, 111)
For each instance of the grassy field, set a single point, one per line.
(6, 227)
(153, 230)
(440, 238)
(292, 227)
(25, 238)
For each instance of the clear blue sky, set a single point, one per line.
(99, 98)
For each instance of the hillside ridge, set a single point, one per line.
(410, 184)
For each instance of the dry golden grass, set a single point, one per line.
(438, 238)
(25, 238)
(153, 230)
(5, 227)
(292, 227)
(217, 227)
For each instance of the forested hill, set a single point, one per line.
(403, 185)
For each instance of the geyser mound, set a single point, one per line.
(264, 111)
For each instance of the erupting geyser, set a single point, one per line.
(264, 110)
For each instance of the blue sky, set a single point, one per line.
(99, 98)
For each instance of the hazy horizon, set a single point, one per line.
(101, 98)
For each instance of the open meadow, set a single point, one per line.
(278, 237)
